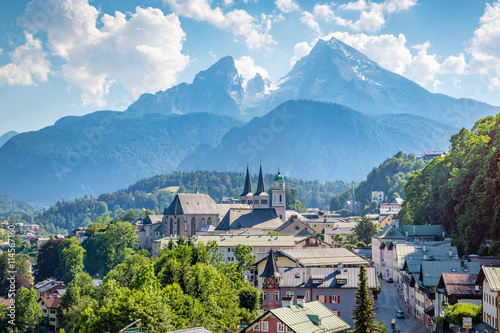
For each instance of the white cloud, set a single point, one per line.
(358, 5)
(228, 3)
(28, 63)
(300, 50)
(287, 6)
(426, 66)
(142, 52)
(485, 46)
(309, 20)
(372, 15)
(254, 32)
(246, 67)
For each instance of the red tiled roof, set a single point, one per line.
(459, 284)
(5, 301)
(51, 302)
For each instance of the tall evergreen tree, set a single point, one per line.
(364, 313)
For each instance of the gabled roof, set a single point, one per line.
(152, 219)
(487, 261)
(261, 187)
(459, 285)
(389, 232)
(192, 203)
(310, 317)
(247, 191)
(413, 251)
(428, 230)
(492, 276)
(395, 201)
(430, 271)
(412, 265)
(48, 284)
(51, 302)
(319, 257)
(241, 218)
(271, 269)
(301, 277)
(291, 222)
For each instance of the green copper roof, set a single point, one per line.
(278, 177)
(310, 318)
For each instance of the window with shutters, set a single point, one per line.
(321, 298)
(334, 299)
(336, 312)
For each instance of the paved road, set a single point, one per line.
(387, 305)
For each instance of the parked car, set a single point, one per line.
(400, 314)
(390, 280)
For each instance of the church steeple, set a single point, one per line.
(261, 187)
(248, 185)
(271, 269)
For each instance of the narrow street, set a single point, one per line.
(388, 303)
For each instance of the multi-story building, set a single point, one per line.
(335, 287)
(489, 280)
(303, 317)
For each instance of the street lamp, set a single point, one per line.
(442, 320)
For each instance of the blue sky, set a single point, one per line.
(72, 57)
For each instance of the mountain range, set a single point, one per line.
(220, 121)
(332, 72)
(320, 141)
(6, 137)
(101, 152)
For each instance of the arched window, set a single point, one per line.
(171, 226)
(281, 198)
(178, 225)
(209, 221)
(193, 226)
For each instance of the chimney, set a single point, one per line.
(286, 301)
(406, 233)
(450, 253)
(301, 299)
(424, 248)
(425, 256)
(462, 264)
(304, 278)
(414, 232)
(476, 287)
(444, 233)
(340, 267)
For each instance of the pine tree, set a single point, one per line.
(364, 314)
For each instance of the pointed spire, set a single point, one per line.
(271, 269)
(261, 187)
(248, 184)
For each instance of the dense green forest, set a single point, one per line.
(188, 285)
(157, 192)
(9, 206)
(461, 190)
(389, 177)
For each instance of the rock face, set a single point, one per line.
(332, 72)
(320, 141)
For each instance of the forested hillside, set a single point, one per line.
(9, 205)
(157, 192)
(461, 190)
(389, 177)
